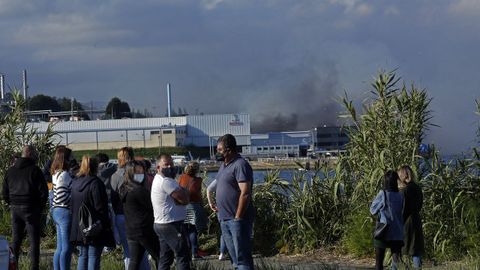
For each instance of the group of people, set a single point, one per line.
(156, 215)
(399, 208)
(126, 205)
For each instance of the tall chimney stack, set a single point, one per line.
(2, 86)
(169, 100)
(25, 85)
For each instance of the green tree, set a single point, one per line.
(66, 105)
(117, 109)
(43, 102)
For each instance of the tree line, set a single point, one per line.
(115, 108)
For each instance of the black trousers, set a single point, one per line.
(137, 247)
(173, 245)
(26, 217)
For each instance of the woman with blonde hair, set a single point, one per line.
(413, 233)
(62, 182)
(90, 191)
(196, 219)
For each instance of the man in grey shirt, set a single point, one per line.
(234, 202)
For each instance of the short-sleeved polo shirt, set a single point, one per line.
(228, 191)
(165, 209)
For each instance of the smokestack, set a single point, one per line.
(25, 85)
(2, 86)
(169, 100)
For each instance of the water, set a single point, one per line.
(259, 175)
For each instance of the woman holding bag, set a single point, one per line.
(388, 204)
(90, 191)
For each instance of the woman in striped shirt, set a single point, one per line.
(62, 216)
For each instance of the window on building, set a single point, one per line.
(154, 132)
(277, 148)
(167, 131)
(259, 149)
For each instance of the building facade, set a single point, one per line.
(196, 130)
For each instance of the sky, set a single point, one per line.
(285, 62)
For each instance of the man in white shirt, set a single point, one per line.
(169, 200)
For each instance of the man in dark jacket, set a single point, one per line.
(25, 190)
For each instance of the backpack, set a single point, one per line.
(90, 226)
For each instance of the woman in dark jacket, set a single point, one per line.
(388, 205)
(89, 189)
(413, 233)
(138, 210)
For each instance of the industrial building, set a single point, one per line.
(195, 130)
(292, 143)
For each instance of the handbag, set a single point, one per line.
(381, 228)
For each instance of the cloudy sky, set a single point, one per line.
(282, 61)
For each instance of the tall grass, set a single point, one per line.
(14, 134)
(332, 207)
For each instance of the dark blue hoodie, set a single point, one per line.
(91, 190)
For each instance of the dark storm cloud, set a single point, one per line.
(284, 61)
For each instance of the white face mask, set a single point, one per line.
(138, 177)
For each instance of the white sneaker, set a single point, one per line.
(221, 256)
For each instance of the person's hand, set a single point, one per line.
(213, 207)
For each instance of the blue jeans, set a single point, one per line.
(417, 262)
(63, 254)
(192, 238)
(120, 226)
(173, 245)
(89, 258)
(223, 247)
(236, 234)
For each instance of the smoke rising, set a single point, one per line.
(304, 98)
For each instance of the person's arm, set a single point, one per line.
(6, 190)
(244, 175)
(210, 190)
(175, 191)
(377, 203)
(41, 185)
(244, 199)
(143, 199)
(180, 196)
(100, 201)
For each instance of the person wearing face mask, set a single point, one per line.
(138, 211)
(234, 202)
(169, 200)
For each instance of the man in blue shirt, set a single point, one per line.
(234, 202)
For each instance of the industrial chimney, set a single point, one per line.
(2, 86)
(169, 100)
(25, 85)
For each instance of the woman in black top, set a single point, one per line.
(138, 211)
(413, 233)
(89, 189)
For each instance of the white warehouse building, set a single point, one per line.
(197, 130)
